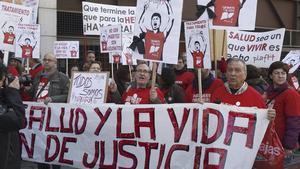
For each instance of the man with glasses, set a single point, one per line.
(140, 92)
(50, 86)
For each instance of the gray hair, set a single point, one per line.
(230, 60)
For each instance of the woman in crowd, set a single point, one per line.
(173, 92)
(286, 101)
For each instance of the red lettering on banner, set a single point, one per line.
(195, 125)
(127, 154)
(29, 150)
(178, 130)
(64, 129)
(65, 149)
(222, 158)
(139, 124)
(48, 121)
(161, 155)
(249, 131)
(39, 119)
(49, 158)
(148, 147)
(103, 119)
(205, 126)
(197, 157)
(115, 156)
(175, 147)
(119, 126)
(95, 159)
(80, 130)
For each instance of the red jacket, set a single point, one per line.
(184, 78)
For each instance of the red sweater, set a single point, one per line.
(249, 98)
(192, 94)
(287, 106)
(184, 79)
(140, 96)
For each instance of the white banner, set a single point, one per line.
(158, 26)
(293, 60)
(259, 49)
(143, 136)
(66, 49)
(11, 16)
(231, 14)
(197, 44)
(111, 39)
(28, 41)
(96, 16)
(88, 88)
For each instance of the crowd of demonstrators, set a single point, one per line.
(173, 93)
(286, 101)
(209, 85)
(12, 117)
(183, 76)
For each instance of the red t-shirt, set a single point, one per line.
(249, 98)
(227, 12)
(27, 51)
(184, 79)
(286, 104)
(154, 43)
(35, 71)
(73, 53)
(192, 94)
(116, 58)
(198, 59)
(140, 96)
(9, 38)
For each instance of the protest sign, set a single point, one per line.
(88, 88)
(11, 16)
(66, 49)
(259, 49)
(231, 14)
(33, 4)
(127, 56)
(111, 39)
(293, 60)
(197, 44)
(134, 136)
(28, 41)
(157, 30)
(115, 57)
(96, 16)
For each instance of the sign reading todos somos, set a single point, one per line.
(11, 16)
(28, 41)
(96, 16)
(259, 49)
(143, 136)
(88, 88)
(66, 49)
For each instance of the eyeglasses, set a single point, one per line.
(48, 60)
(142, 71)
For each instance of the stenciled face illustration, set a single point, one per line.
(197, 46)
(11, 29)
(155, 21)
(27, 41)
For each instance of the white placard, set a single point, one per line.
(111, 39)
(260, 49)
(88, 88)
(96, 16)
(66, 49)
(293, 60)
(28, 41)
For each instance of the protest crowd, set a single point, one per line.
(30, 83)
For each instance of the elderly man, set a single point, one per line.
(140, 92)
(236, 91)
(50, 86)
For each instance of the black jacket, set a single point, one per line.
(12, 116)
